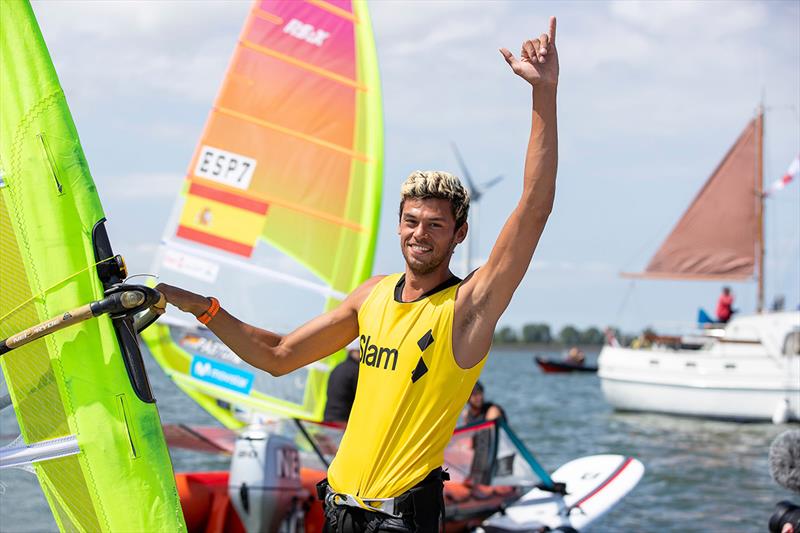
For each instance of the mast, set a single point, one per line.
(760, 205)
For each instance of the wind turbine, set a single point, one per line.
(475, 195)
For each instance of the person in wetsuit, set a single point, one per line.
(478, 409)
(484, 453)
(424, 333)
(342, 389)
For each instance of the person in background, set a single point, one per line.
(478, 410)
(725, 305)
(576, 356)
(342, 388)
(484, 453)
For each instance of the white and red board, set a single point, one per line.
(594, 485)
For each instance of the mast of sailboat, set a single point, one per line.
(760, 206)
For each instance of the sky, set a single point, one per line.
(651, 96)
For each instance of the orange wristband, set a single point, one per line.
(209, 313)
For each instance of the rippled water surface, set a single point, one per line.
(700, 475)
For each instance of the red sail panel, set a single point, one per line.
(223, 219)
(717, 236)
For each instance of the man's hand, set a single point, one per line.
(186, 301)
(538, 63)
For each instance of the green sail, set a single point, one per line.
(84, 382)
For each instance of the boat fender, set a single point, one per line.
(781, 414)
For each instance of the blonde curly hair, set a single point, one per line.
(437, 184)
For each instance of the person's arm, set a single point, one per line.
(493, 413)
(485, 294)
(274, 353)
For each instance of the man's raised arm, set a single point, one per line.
(484, 296)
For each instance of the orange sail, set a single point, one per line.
(718, 236)
(278, 215)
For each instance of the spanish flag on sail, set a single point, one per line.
(223, 219)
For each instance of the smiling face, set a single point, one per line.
(428, 234)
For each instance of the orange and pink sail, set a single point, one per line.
(293, 143)
(279, 211)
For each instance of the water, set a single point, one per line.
(700, 475)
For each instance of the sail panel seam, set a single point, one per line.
(338, 11)
(284, 203)
(294, 133)
(269, 17)
(349, 82)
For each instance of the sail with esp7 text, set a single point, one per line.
(278, 214)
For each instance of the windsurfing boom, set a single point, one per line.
(122, 300)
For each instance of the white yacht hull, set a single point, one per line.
(748, 372)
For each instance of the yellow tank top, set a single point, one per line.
(409, 396)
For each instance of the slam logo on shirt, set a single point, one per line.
(380, 357)
(377, 356)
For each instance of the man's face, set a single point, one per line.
(428, 234)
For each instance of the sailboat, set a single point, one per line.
(747, 369)
(89, 428)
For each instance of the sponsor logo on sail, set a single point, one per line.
(221, 374)
(306, 32)
(190, 265)
(209, 348)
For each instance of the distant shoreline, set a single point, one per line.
(535, 347)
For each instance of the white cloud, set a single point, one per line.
(686, 22)
(141, 185)
(105, 48)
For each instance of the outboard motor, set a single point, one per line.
(264, 484)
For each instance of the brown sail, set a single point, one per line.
(718, 236)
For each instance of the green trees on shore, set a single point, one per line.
(540, 333)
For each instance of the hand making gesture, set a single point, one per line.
(538, 63)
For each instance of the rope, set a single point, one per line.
(50, 288)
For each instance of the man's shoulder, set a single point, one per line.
(360, 293)
(370, 283)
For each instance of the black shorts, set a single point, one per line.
(421, 510)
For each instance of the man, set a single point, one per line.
(424, 335)
(342, 388)
(725, 306)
